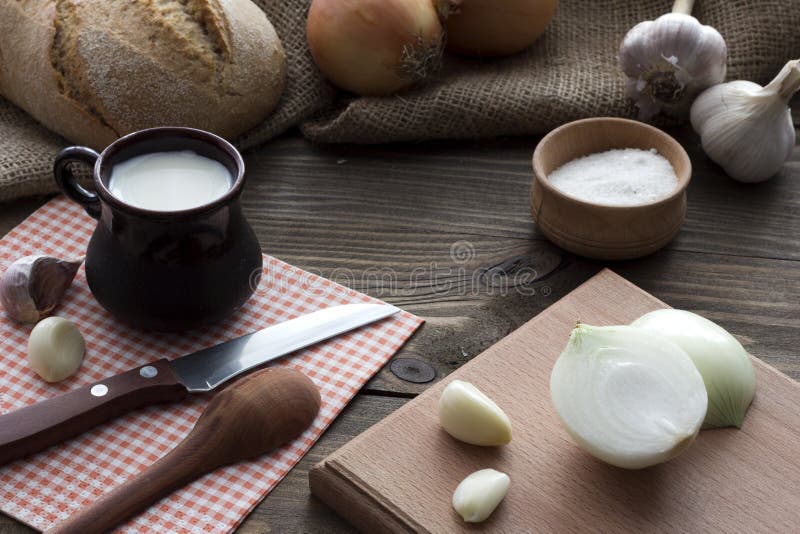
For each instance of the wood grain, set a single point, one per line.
(343, 210)
(302, 195)
(399, 475)
(290, 507)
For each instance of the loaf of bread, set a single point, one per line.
(93, 70)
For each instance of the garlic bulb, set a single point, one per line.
(55, 349)
(33, 286)
(478, 495)
(627, 396)
(722, 361)
(467, 414)
(747, 129)
(670, 60)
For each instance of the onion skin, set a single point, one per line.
(374, 47)
(497, 27)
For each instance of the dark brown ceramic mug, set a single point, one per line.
(165, 270)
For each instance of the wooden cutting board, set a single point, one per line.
(399, 475)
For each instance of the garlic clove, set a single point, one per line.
(467, 414)
(477, 496)
(669, 61)
(33, 286)
(627, 396)
(747, 129)
(719, 357)
(55, 349)
(15, 293)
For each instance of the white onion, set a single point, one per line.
(627, 396)
(722, 361)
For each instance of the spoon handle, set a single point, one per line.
(180, 466)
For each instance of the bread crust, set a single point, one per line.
(93, 70)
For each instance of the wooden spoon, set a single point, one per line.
(247, 419)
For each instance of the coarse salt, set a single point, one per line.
(621, 177)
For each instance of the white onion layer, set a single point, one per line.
(627, 396)
(719, 357)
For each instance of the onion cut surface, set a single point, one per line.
(629, 397)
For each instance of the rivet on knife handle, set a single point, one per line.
(38, 426)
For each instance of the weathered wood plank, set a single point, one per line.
(398, 217)
(14, 212)
(399, 477)
(382, 227)
(302, 195)
(290, 507)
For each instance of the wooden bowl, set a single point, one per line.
(603, 231)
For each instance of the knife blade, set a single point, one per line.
(40, 425)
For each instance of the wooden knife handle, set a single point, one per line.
(36, 427)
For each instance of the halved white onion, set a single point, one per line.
(627, 396)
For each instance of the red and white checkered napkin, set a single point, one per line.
(46, 487)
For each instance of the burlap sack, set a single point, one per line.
(568, 74)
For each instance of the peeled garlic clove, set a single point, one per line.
(33, 286)
(478, 495)
(55, 349)
(747, 129)
(719, 357)
(467, 414)
(629, 397)
(669, 61)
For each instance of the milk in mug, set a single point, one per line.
(169, 181)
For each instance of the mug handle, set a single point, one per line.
(66, 181)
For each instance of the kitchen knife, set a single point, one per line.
(38, 426)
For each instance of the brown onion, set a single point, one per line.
(497, 27)
(374, 47)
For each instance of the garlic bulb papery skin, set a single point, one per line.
(467, 414)
(55, 349)
(719, 357)
(669, 61)
(32, 287)
(747, 129)
(627, 396)
(478, 494)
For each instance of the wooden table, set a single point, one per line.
(444, 231)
